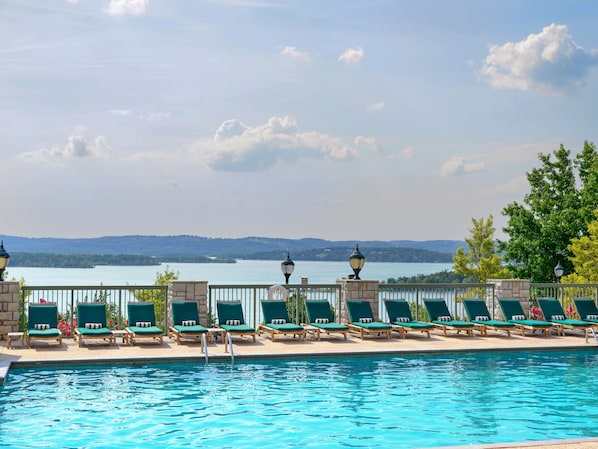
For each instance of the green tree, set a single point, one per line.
(158, 298)
(584, 257)
(480, 260)
(557, 209)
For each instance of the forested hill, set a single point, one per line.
(164, 248)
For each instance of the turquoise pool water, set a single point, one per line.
(379, 402)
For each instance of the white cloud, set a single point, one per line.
(125, 7)
(293, 53)
(352, 56)
(375, 107)
(77, 146)
(238, 147)
(549, 62)
(369, 143)
(153, 116)
(120, 112)
(406, 153)
(458, 166)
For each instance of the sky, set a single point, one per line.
(335, 119)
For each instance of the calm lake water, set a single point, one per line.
(242, 272)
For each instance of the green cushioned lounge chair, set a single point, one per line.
(142, 322)
(320, 320)
(91, 323)
(42, 323)
(277, 321)
(232, 319)
(554, 313)
(587, 310)
(401, 320)
(513, 313)
(441, 318)
(362, 321)
(186, 324)
(478, 314)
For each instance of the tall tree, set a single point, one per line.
(481, 260)
(584, 257)
(558, 208)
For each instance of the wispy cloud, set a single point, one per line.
(549, 63)
(352, 56)
(154, 116)
(127, 7)
(238, 147)
(457, 165)
(121, 112)
(293, 53)
(375, 107)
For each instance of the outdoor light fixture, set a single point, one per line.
(287, 266)
(4, 257)
(559, 271)
(357, 261)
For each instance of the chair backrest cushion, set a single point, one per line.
(230, 311)
(184, 311)
(141, 312)
(91, 313)
(42, 314)
(317, 310)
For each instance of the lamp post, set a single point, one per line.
(558, 272)
(287, 267)
(4, 257)
(357, 261)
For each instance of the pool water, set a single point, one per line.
(377, 402)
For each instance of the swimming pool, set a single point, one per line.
(377, 402)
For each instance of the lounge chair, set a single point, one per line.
(361, 320)
(232, 320)
(401, 320)
(441, 318)
(513, 313)
(554, 313)
(320, 320)
(277, 321)
(185, 323)
(142, 322)
(42, 323)
(91, 324)
(478, 314)
(587, 310)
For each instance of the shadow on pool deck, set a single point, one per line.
(47, 353)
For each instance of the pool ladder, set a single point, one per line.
(229, 341)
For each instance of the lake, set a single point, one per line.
(243, 272)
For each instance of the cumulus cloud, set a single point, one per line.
(369, 143)
(126, 7)
(293, 53)
(406, 153)
(375, 107)
(549, 63)
(238, 147)
(458, 166)
(77, 146)
(351, 56)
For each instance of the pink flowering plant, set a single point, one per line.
(570, 312)
(536, 313)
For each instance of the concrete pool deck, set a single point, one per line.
(48, 353)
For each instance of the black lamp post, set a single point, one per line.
(4, 257)
(357, 261)
(558, 272)
(287, 267)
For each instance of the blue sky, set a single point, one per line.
(346, 119)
